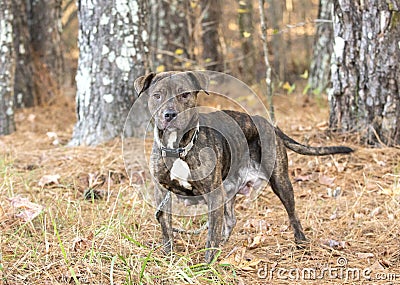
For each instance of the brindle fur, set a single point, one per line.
(220, 202)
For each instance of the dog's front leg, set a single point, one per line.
(163, 215)
(215, 203)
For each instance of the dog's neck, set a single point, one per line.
(172, 142)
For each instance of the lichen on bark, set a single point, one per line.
(365, 74)
(7, 69)
(112, 55)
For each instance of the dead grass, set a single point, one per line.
(116, 240)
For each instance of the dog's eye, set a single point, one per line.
(157, 96)
(184, 95)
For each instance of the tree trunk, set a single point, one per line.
(7, 69)
(245, 20)
(365, 69)
(169, 35)
(268, 71)
(45, 30)
(112, 44)
(320, 68)
(39, 57)
(23, 88)
(212, 51)
(278, 44)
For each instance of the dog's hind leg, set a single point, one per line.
(282, 187)
(229, 219)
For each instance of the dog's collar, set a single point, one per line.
(179, 152)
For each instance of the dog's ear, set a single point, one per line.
(142, 83)
(199, 80)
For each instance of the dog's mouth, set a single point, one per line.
(171, 125)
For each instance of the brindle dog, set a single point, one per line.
(212, 157)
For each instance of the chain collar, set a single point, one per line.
(179, 152)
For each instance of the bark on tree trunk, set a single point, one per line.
(7, 69)
(39, 57)
(245, 20)
(23, 88)
(45, 29)
(320, 68)
(113, 52)
(365, 69)
(169, 32)
(212, 52)
(278, 44)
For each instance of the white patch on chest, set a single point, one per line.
(171, 139)
(180, 171)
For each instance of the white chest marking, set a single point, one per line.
(181, 172)
(171, 139)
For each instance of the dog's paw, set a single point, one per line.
(167, 247)
(302, 243)
(211, 255)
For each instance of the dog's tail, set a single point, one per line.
(309, 150)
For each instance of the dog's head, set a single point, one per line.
(172, 97)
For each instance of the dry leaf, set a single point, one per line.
(31, 118)
(96, 179)
(323, 125)
(333, 216)
(49, 179)
(305, 129)
(258, 224)
(53, 136)
(334, 193)
(334, 244)
(251, 264)
(325, 180)
(234, 257)
(246, 34)
(257, 240)
(283, 228)
(375, 212)
(305, 76)
(365, 254)
(160, 68)
(29, 210)
(376, 266)
(242, 260)
(385, 263)
(379, 162)
(303, 178)
(390, 217)
(179, 51)
(340, 167)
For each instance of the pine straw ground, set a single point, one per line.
(115, 240)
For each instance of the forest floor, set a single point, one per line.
(52, 234)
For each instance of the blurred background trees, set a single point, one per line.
(320, 66)
(38, 51)
(216, 35)
(171, 39)
(113, 53)
(7, 69)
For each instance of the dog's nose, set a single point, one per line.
(169, 115)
